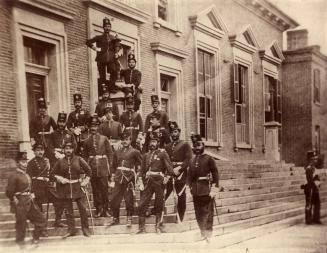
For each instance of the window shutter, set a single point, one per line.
(236, 84)
(279, 101)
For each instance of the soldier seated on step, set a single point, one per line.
(126, 165)
(22, 202)
(311, 190)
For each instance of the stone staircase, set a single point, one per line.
(255, 194)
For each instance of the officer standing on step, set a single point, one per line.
(311, 191)
(156, 171)
(22, 203)
(99, 153)
(180, 153)
(77, 123)
(100, 108)
(163, 115)
(38, 169)
(126, 165)
(203, 181)
(67, 172)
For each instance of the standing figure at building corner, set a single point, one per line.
(311, 191)
(203, 181)
(77, 123)
(163, 115)
(132, 77)
(108, 50)
(40, 126)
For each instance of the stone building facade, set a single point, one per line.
(216, 66)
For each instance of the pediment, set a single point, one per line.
(273, 53)
(245, 40)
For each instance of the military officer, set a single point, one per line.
(180, 153)
(126, 165)
(67, 172)
(202, 169)
(163, 115)
(108, 50)
(100, 108)
(21, 202)
(38, 169)
(59, 137)
(77, 123)
(40, 126)
(131, 120)
(110, 128)
(99, 153)
(162, 132)
(156, 169)
(311, 191)
(132, 76)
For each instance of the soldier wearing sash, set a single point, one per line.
(180, 153)
(77, 123)
(131, 120)
(126, 165)
(21, 202)
(163, 115)
(203, 181)
(99, 153)
(156, 170)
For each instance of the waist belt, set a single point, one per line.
(72, 181)
(59, 150)
(114, 140)
(155, 173)
(22, 193)
(41, 178)
(203, 178)
(44, 132)
(136, 128)
(98, 156)
(177, 163)
(125, 169)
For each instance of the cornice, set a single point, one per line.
(211, 31)
(268, 58)
(163, 48)
(242, 46)
(121, 8)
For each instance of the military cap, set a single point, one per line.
(21, 155)
(156, 115)
(41, 103)
(131, 56)
(77, 97)
(106, 21)
(126, 134)
(38, 144)
(154, 98)
(154, 136)
(195, 138)
(62, 117)
(311, 154)
(68, 143)
(173, 126)
(95, 120)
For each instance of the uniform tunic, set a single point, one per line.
(133, 121)
(133, 76)
(164, 137)
(163, 120)
(111, 129)
(80, 119)
(40, 128)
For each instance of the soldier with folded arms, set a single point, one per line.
(22, 203)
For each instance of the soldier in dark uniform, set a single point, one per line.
(77, 123)
(40, 127)
(180, 153)
(163, 115)
(156, 169)
(202, 170)
(131, 120)
(162, 132)
(38, 169)
(99, 154)
(100, 108)
(110, 128)
(59, 137)
(126, 165)
(133, 76)
(67, 172)
(311, 191)
(21, 202)
(108, 50)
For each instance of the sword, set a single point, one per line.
(214, 203)
(84, 190)
(176, 202)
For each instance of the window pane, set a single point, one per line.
(203, 128)
(165, 105)
(35, 90)
(202, 106)
(162, 9)
(238, 113)
(209, 107)
(35, 51)
(164, 83)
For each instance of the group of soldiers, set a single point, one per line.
(110, 154)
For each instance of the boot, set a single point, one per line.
(115, 221)
(97, 213)
(86, 232)
(58, 224)
(158, 224)
(141, 226)
(129, 221)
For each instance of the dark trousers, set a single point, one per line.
(203, 206)
(120, 191)
(108, 67)
(181, 202)
(312, 204)
(82, 206)
(26, 209)
(156, 187)
(100, 193)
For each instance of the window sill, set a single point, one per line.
(173, 27)
(213, 144)
(243, 146)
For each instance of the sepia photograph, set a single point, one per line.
(163, 126)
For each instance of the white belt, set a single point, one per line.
(177, 163)
(125, 168)
(41, 178)
(44, 132)
(98, 156)
(136, 128)
(155, 173)
(203, 178)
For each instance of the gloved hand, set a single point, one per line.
(214, 191)
(32, 141)
(103, 118)
(140, 184)
(61, 179)
(77, 131)
(166, 179)
(176, 170)
(112, 181)
(59, 155)
(85, 181)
